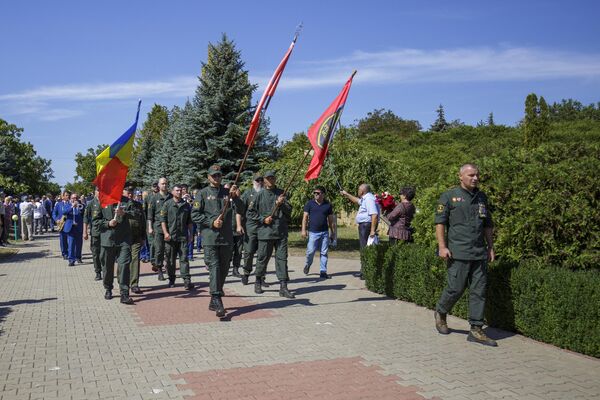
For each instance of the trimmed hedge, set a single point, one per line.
(551, 304)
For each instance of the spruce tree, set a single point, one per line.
(147, 145)
(490, 120)
(162, 163)
(440, 124)
(536, 124)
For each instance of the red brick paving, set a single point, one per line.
(338, 379)
(159, 305)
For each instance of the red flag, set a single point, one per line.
(267, 95)
(321, 132)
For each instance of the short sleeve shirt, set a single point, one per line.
(466, 215)
(366, 207)
(317, 215)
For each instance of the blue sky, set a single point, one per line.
(71, 72)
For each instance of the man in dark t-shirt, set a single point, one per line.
(318, 215)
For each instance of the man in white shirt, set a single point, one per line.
(39, 212)
(26, 208)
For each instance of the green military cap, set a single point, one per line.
(214, 170)
(269, 174)
(257, 176)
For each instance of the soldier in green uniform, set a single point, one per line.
(154, 226)
(217, 232)
(238, 239)
(250, 226)
(176, 225)
(150, 237)
(92, 209)
(115, 237)
(271, 211)
(137, 225)
(464, 231)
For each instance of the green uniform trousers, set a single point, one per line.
(238, 247)
(174, 248)
(134, 266)
(217, 260)
(122, 255)
(159, 248)
(250, 248)
(150, 239)
(95, 248)
(460, 274)
(265, 250)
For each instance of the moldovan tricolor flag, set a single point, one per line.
(321, 132)
(112, 166)
(268, 94)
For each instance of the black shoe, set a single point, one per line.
(264, 282)
(236, 272)
(98, 276)
(155, 268)
(171, 283)
(71, 263)
(323, 275)
(284, 292)
(125, 299)
(80, 261)
(189, 285)
(144, 260)
(212, 306)
(244, 279)
(136, 290)
(108, 295)
(258, 286)
(161, 276)
(306, 269)
(220, 309)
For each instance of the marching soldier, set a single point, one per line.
(137, 225)
(150, 236)
(154, 226)
(217, 232)
(92, 209)
(250, 226)
(176, 226)
(271, 211)
(115, 237)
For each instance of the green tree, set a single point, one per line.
(490, 119)
(440, 124)
(536, 123)
(385, 121)
(147, 145)
(162, 163)
(21, 169)
(85, 170)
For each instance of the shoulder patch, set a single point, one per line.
(440, 208)
(163, 213)
(196, 204)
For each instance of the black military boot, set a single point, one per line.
(264, 282)
(236, 272)
(283, 290)
(258, 286)
(125, 299)
(98, 276)
(161, 276)
(188, 285)
(108, 295)
(171, 282)
(220, 308)
(245, 279)
(212, 306)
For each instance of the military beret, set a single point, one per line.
(215, 170)
(269, 174)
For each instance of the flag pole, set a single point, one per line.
(289, 185)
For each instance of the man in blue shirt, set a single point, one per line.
(367, 217)
(318, 213)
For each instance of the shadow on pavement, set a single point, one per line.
(263, 306)
(493, 333)
(319, 288)
(6, 307)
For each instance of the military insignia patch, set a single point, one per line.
(196, 204)
(440, 208)
(163, 213)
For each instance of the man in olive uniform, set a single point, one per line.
(137, 224)
(115, 237)
(148, 201)
(271, 211)
(462, 216)
(176, 225)
(238, 239)
(250, 226)
(92, 209)
(154, 226)
(217, 232)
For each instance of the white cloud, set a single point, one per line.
(396, 66)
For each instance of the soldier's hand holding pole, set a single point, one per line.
(218, 223)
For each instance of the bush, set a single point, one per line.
(547, 303)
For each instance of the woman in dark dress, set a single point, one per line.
(401, 216)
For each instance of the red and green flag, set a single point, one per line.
(113, 164)
(321, 132)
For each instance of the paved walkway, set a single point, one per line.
(60, 339)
